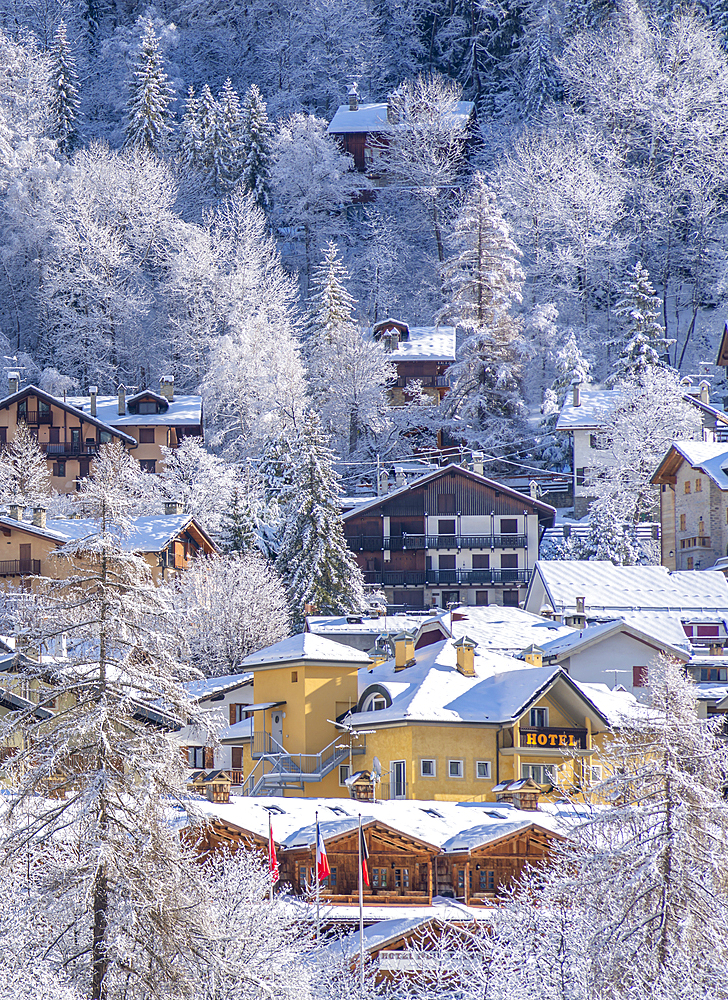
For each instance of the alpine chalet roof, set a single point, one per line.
(709, 457)
(150, 533)
(182, 411)
(426, 343)
(373, 118)
(305, 646)
(69, 407)
(564, 646)
(209, 687)
(595, 408)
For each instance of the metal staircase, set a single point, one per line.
(276, 769)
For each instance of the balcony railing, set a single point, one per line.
(698, 542)
(399, 543)
(19, 567)
(67, 448)
(443, 577)
(36, 416)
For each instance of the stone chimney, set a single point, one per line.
(383, 484)
(122, 400)
(394, 340)
(353, 98)
(465, 648)
(577, 620)
(166, 387)
(13, 382)
(15, 511)
(533, 655)
(478, 459)
(576, 392)
(404, 650)
(173, 507)
(93, 391)
(705, 392)
(39, 517)
(533, 489)
(400, 479)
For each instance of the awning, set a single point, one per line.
(262, 706)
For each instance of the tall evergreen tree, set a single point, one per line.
(191, 146)
(642, 343)
(314, 560)
(230, 115)
(64, 91)
(330, 306)
(255, 149)
(24, 475)
(147, 115)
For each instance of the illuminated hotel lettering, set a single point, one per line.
(550, 740)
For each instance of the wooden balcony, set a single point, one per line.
(35, 417)
(69, 449)
(20, 567)
(401, 543)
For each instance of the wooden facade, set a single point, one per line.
(401, 867)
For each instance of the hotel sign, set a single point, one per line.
(554, 739)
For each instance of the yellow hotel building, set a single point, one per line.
(442, 722)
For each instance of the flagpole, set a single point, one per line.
(271, 848)
(361, 916)
(318, 883)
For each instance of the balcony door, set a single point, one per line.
(26, 564)
(76, 439)
(398, 779)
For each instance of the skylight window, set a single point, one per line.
(433, 812)
(275, 810)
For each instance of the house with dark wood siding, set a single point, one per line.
(451, 536)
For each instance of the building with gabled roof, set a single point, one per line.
(420, 354)
(451, 536)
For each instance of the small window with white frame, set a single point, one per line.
(455, 768)
(539, 718)
(595, 773)
(344, 773)
(482, 769)
(428, 767)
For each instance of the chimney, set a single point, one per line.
(404, 650)
(93, 391)
(15, 511)
(465, 648)
(576, 392)
(166, 387)
(394, 340)
(39, 517)
(580, 605)
(13, 382)
(705, 392)
(173, 507)
(383, 483)
(400, 479)
(122, 400)
(578, 619)
(353, 98)
(534, 656)
(377, 655)
(533, 489)
(60, 645)
(478, 459)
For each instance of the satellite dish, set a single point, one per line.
(376, 768)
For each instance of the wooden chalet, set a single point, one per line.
(401, 867)
(419, 354)
(482, 871)
(219, 835)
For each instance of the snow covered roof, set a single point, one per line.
(340, 625)
(710, 457)
(150, 533)
(433, 690)
(624, 590)
(434, 823)
(373, 118)
(208, 687)
(69, 407)
(182, 411)
(505, 629)
(489, 832)
(426, 343)
(712, 692)
(578, 641)
(242, 730)
(305, 646)
(596, 405)
(617, 705)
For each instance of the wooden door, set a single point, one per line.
(26, 565)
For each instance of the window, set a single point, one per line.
(481, 561)
(542, 774)
(481, 598)
(639, 677)
(330, 881)
(539, 718)
(595, 773)
(379, 878)
(54, 435)
(4, 439)
(683, 521)
(510, 598)
(687, 485)
(147, 406)
(698, 485)
(487, 881)
(509, 525)
(148, 464)
(580, 476)
(691, 563)
(447, 562)
(294, 677)
(446, 527)
(376, 704)
(446, 503)
(509, 561)
(428, 767)
(714, 674)
(104, 437)
(238, 713)
(59, 469)
(461, 880)
(398, 779)
(482, 769)
(146, 435)
(401, 878)
(455, 768)
(196, 757)
(343, 774)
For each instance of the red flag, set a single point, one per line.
(322, 862)
(272, 859)
(364, 857)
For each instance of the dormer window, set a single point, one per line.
(147, 406)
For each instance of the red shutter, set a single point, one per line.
(232, 715)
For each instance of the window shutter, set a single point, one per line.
(232, 714)
(209, 759)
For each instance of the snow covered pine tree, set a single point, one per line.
(147, 116)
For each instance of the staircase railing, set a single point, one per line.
(292, 768)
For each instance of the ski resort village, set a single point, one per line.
(363, 500)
